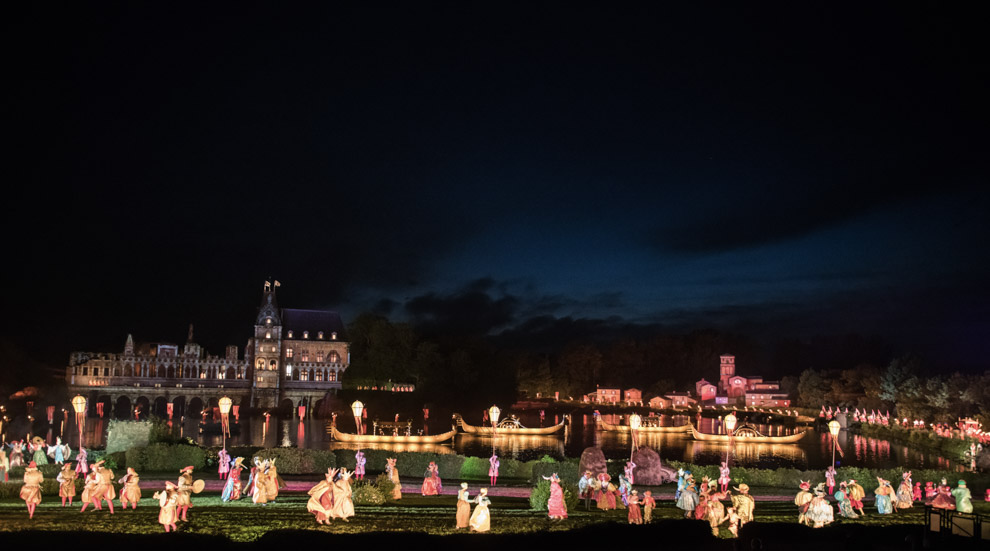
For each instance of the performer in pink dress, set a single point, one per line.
(223, 463)
(634, 515)
(359, 463)
(723, 478)
(431, 481)
(556, 508)
(493, 465)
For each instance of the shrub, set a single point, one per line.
(541, 494)
(165, 457)
(384, 485)
(124, 435)
(364, 493)
(474, 468)
(299, 461)
(566, 470)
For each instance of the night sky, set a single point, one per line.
(497, 168)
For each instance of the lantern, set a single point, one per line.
(493, 413)
(730, 423)
(225, 404)
(357, 408)
(635, 421)
(833, 429)
(79, 406)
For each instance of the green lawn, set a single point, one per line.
(244, 521)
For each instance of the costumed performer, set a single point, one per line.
(57, 452)
(733, 517)
(688, 500)
(715, 514)
(393, 475)
(105, 490)
(131, 492)
(916, 493)
(884, 497)
(66, 483)
(272, 481)
(830, 479)
(463, 515)
(723, 478)
(17, 453)
(493, 465)
(856, 494)
(321, 498)
(943, 497)
(629, 468)
(964, 502)
(167, 503)
(91, 490)
(625, 487)
(842, 499)
(343, 505)
(4, 464)
(232, 489)
(904, 494)
(556, 507)
(929, 490)
(802, 499)
(680, 483)
(701, 510)
(31, 490)
(223, 463)
(480, 520)
(82, 467)
(359, 462)
(820, 511)
(38, 447)
(606, 493)
(431, 480)
(257, 486)
(634, 516)
(743, 504)
(184, 490)
(586, 488)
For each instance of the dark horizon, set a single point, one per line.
(532, 175)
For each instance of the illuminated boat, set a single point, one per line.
(747, 434)
(509, 426)
(388, 438)
(606, 426)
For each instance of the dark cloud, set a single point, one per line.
(469, 311)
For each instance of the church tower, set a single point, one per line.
(726, 371)
(266, 351)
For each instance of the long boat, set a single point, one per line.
(390, 439)
(606, 426)
(745, 434)
(509, 426)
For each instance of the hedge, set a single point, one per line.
(567, 470)
(49, 488)
(541, 494)
(162, 457)
(124, 435)
(299, 461)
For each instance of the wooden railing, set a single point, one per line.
(949, 522)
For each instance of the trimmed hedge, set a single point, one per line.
(165, 457)
(299, 461)
(124, 435)
(541, 494)
(49, 487)
(567, 470)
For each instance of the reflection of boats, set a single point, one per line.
(644, 428)
(390, 439)
(509, 426)
(747, 434)
(511, 445)
(439, 449)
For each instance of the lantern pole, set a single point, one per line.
(833, 429)
(79, 406)
(493, 414)
(225, 404)
(730, 426)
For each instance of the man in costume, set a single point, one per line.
(272, 481)
(321, 498)
(733, 517)
(393, 475)
(493, 465)
(723, 478)
(167, 503)
(463, 506)
(802, 500)
(92, 490)
(743, 504)
(31, 490)
(842, 499)
(131, 492)
(715, 511)
(633, 502)
(648, 505)
(232, 489)
(586, 487)
(856, 494)
(359, 462)
(964, 502)
(105, 490)
(184, 490)
(556, 508)
(66, 483)
(830, 479)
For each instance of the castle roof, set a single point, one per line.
(314, 321)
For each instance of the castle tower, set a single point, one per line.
(266, 351)
(727, 369)
(129, 345)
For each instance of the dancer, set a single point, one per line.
(929, 490)
(431, 480)
(701, 510)
(715, 511)
(66, 483)
(556, 508)
(272, 481)
(359, 463)
(31, 490)
(38, 447)
(131, 492)
(743, 504)
(586, 488)
(4, 464)
(393, 475)
(680, 483)
(904, 495)
(57, 452)
(916, 493)
(184, 490)
(629, 468)
(92, 490)
(688, 500)
(493, 465)
(321, 498)
(884, 495)
(820, 511)
(625, 488)
(606, 493)
(82, 468)
(480, 520)
(104, 488)
(802, 499)
(343, 505)
(856, 494)
(733, 517)
(648, 505)
(17, 448)
(257, 487)
(964, 502)
(232, 489)
(463, 506)
(634, 516)
(842, 498)
(167, 503)
(943, 497)
(223, 462)
(723, 478)
(830, 479)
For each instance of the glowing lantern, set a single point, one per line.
(225, 404)
(357, 408)
(79, 406)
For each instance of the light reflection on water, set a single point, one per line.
(814, 451)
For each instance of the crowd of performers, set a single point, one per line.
(331, 498)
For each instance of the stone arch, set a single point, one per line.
(178, 407)
(285, 405)
(159, 409)
(160, 372)
(194, 407)
(128, 370)
(142, 406)
(170, 372)
(317, 406)
(231, 373)
(295, 373)
(122, 407)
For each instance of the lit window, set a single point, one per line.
(288, 370)
(319, 355)
(334, 357)
(268, 321)
(319, 335)
(288, 352)
(273, 365)
(305, 355)
(305, 334)
(290, 334)
(333, 336)
(268, 335)
(304, 376)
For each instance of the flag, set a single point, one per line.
(277, 284)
